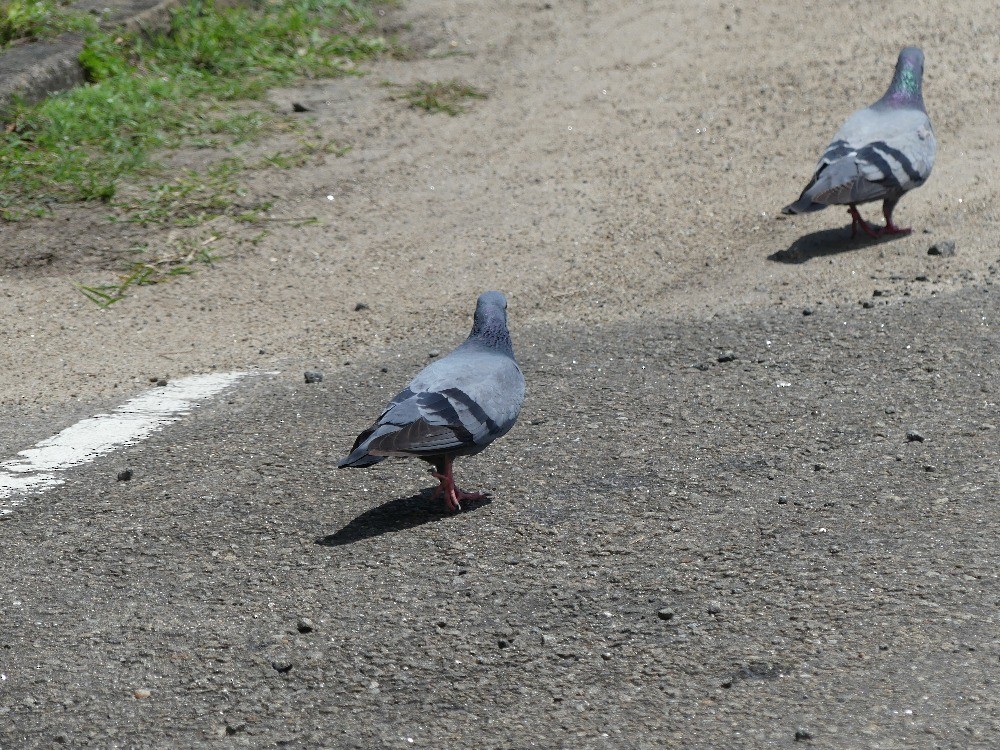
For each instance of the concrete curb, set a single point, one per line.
(30, 72)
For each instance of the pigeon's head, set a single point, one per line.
(490, 323)
(905, 89)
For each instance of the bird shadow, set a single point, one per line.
(396, 515)
(826, 242)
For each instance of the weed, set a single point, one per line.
(441, 96)
(155, 271)
(192, 198)
(307, 151)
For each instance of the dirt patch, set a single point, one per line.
(627, 161)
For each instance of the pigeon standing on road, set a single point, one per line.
(880, 153)
(456, 406)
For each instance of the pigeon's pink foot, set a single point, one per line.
(891, 228)
(453, 496)
(858, 221)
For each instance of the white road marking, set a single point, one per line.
(36, 469)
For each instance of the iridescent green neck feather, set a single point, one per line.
(905, 89)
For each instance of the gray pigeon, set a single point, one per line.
(456, 406)
(878, 154)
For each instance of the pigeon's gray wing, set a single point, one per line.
(875, 155)
(459, 404)
(359, 455)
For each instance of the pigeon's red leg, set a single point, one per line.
(858, 221)
(891, 228)
(453, 496)
(439, 472)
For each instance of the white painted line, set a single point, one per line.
(131, 422)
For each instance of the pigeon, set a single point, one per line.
(879, 153)
(456, 406)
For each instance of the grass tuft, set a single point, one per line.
(146, 273)
(190, 199)
(441, 96)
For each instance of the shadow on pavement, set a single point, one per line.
(395, 515)
(826, 242)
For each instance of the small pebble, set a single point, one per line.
(142, 693)
(727, 356)
(282, 667)
(930, 467)
(433, 353)
(944, 248)
(124, 476)
(802, 734)
(783, 500)
(161, 382)
(807, 311)
(384, 369)
(868, 304)
(665, 614)
(313, 377)
(299, 107)
(305, 625)
(360, 306)
(914, 437)
(922, 277)
(714, 608)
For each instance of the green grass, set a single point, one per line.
(441, 96)
(36, 19)
(307, 151)
(187, 87)
(189, 199)
(146, 273)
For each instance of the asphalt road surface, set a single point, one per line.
(761, 530)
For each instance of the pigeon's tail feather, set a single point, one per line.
(803, 205)
(806, 202)
(359, 457)
(359, 461)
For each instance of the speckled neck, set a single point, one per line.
(489, 328)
